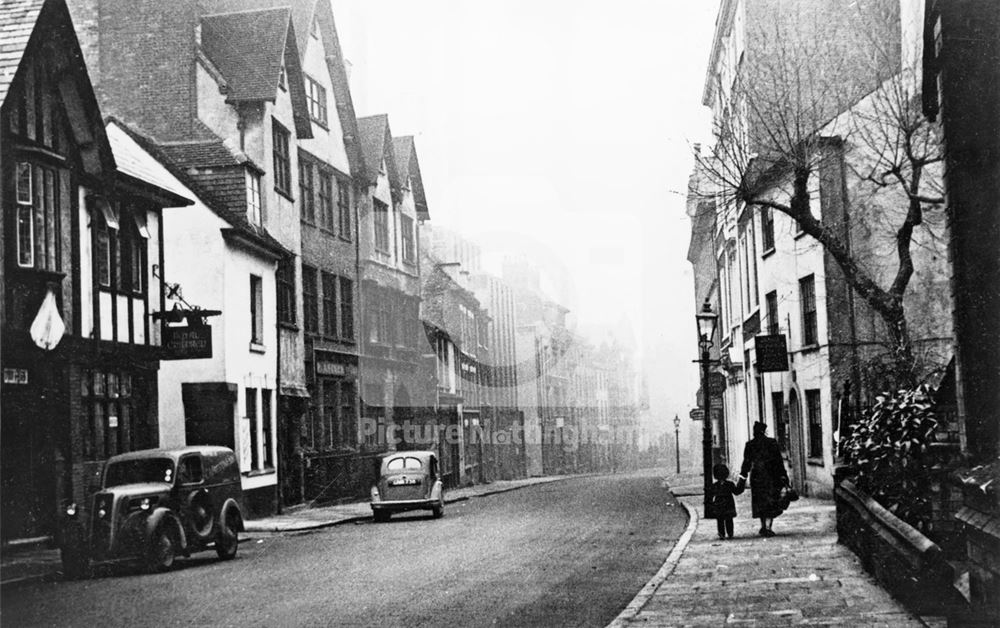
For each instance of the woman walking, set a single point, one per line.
(762, 462)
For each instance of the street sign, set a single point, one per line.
(190, 342)
(697, 414)
(772, 353)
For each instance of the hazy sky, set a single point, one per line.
(561, 128)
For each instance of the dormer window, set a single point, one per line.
(283, 78)
(316, 100)
(254, 205)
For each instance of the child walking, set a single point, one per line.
(723, 502)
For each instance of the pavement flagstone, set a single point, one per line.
(800, 577)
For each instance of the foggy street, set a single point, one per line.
(571, 553)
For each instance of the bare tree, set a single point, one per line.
(796, 93)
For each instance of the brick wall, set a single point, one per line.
(140, 54)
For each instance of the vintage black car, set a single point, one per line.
(408, 480)
(155, 504)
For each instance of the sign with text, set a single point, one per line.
(772, 353)
(192, 342)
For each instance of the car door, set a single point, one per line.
(195, 499)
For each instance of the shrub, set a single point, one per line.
(887, 450)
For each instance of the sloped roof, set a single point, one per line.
(301, 12)
(136, 163)
(248, 48)
(376, 147)
(205, 154)
(409, 166)
(17, 22)
(45, 27)
(160, 153)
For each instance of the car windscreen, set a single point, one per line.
(407, 463)
(138, 471)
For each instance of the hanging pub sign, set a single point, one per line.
(188, 342)
(772, 353)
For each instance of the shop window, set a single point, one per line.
(347, 422)
(116, 421)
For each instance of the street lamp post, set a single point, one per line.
(706, 331)
(677, 441)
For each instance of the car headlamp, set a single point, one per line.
(375, 496)
(71, 510)
(102, 513)
(145, 504)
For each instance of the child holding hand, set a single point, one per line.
(723, 502)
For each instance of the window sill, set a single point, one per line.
(41, 273)
(325, 125)
(256, 347)
(768, 253)
(345, 238)
(815, 462)
(288, 326)
(288, 195)
(810, 348)
(799, 234)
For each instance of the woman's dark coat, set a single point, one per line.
(762, 460)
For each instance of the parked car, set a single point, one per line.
(153, 505)
(408, 480)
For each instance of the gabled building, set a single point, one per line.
(390, 209)
(457, 328)
(208, 82)
(82, 255)
(322, 449)
(221, 260)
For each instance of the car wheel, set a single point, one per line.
(162, 550)
(75, 564)
(381, 516)
(438, 510)
(228, 540)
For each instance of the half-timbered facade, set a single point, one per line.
(82, 252)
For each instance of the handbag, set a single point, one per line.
(787, 496)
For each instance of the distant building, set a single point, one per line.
(392, 207)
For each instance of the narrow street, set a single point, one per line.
(571, 553)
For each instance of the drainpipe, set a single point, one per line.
(277, 383)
